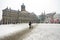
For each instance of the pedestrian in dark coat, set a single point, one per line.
(30, 24)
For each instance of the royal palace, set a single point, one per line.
(15, 16)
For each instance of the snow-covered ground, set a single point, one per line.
(40, 32)
(6, 30)
(45, 32)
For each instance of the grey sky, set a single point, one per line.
(36, 6)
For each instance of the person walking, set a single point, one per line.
(30, 24)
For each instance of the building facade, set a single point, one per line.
(57, 18)
(16, 16)
(50, 17)
(42, 18)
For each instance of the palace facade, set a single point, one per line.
(15, 16)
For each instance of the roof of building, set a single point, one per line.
(50, 14)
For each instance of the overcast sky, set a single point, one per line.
(36, 6)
